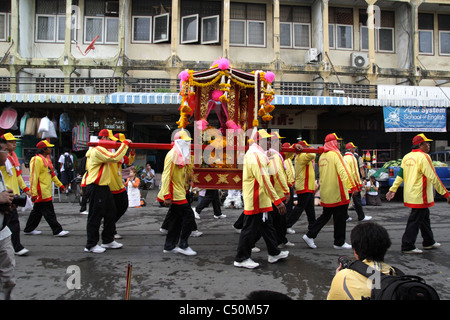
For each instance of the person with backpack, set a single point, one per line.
(66, 168)
(369, 276)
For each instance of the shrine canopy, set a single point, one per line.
(220, 101)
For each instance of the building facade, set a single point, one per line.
(116, 63)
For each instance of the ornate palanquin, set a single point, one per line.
(224, 105)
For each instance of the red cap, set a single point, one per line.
(419, 139)
(349, 146)
(44, 144)
(331, 137)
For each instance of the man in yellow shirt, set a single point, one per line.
(42, 175)
(335, 183)
(279, 180)
(370, 243)
(101, 201)
(304, 186)
(418, 175)
(353, 167)
(259, 195)
(116, 185)
(180, 222)
(12, 175)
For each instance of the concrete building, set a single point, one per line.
(116, 63)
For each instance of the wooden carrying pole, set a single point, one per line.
(167, 146)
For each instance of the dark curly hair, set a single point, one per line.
(370, 241)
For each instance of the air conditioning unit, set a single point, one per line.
(112, 8)
(85, 90)
(359, 60)
(312, 56)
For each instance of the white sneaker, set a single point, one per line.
(112, 245)
(163, 231)
(249, 264)
(196, 233)
(309, 242)
(222, 216)
(237, 230)
(118, 236)
(33, 233)
(433, 246)
(281, 255)
(95, 249)
(287, 244)
(174, 250)
(256, 250)
(349, 219)
(84, 212)
(290, 230)
(62, 233)
(187, 251)
(22, 252)
(367, 218)
(196, 215)
(415, 251)
(344, 246)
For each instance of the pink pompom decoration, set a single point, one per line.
(232, 126)
(223, 64)
(202, 124)
(184, 75)
(269, 76)
(216, 94)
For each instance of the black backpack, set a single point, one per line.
(396, 287)
(68, 164)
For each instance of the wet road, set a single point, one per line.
(55, 267)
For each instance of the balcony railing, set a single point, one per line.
(108, 85)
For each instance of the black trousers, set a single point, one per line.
(14, 226)
(253, 228)
(121, 202)
(357, 202)
(210, 196)
(339, 215)
(180, 223)
(305, 201)
(46, 210)
(101, 206)
(419, 219)
(84, 199)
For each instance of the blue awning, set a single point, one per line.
(51, 98)
(143, 98)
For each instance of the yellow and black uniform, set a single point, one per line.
(259, 195)
(335, 183)
(304, 186)
(12, 176)
(349, 284)
(418, 176)
(101, 201)
(180, 218)
(116, 184)
(42, 175)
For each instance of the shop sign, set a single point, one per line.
(415, 119)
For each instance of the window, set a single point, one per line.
(248, 24)
(384, 33)
(101, 19)
(189, 27)
(444, 34)
(210, 27)
(5, 19)
(51, 21)
(295, 27)
(340, 28)
(150, 21)
(200, 21)
(426, 27)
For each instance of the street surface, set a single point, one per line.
(59, 269)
